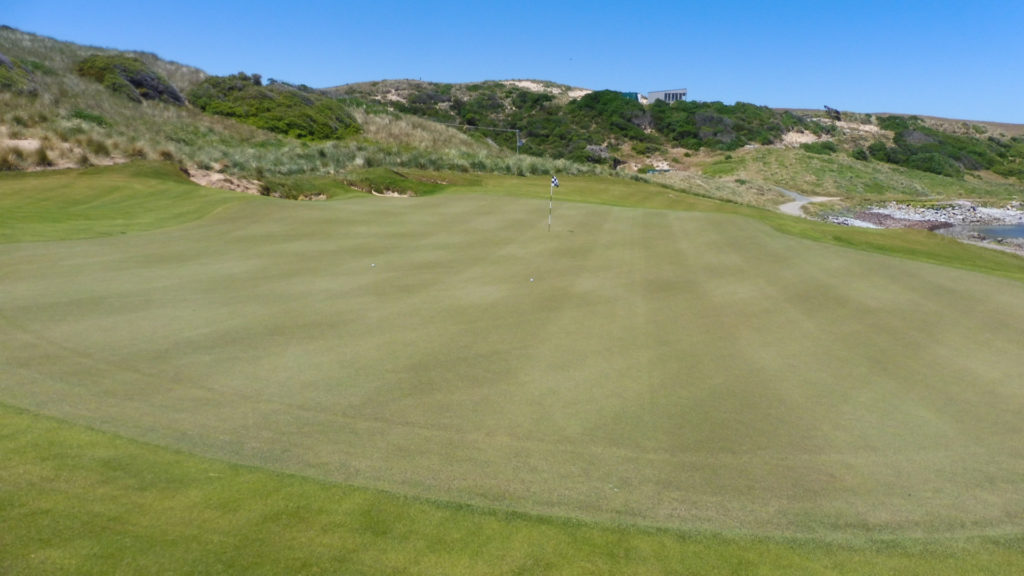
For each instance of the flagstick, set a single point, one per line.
(551, 199)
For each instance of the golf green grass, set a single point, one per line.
(690, 370)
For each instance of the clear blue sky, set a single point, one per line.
(959, 59)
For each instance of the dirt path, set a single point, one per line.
(796, 207)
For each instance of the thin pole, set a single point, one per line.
(551, 199)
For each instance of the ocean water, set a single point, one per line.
(1003, 231)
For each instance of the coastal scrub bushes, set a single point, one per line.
(823, 147)
(129, 77)
(549, 123)
(921, 147)
(695, 125)
(15, 76)
(296, 111)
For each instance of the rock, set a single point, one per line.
(959, 213)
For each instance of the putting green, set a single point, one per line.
(671, 368)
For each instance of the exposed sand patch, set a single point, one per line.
(23, 144)
(61, 155)
(798, 137)
(212, 179)
(535, 86)
(856, 127)
(392, 96)
(391, 194)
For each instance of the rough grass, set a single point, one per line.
(841, 176)
(79, 501)
(79, 123)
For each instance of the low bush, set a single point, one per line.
(138, 152)
(90, 117)
(41, 158)
(934, 163)
(96, 146)
(15, 77)
(129, 77)
(877, 150)
(823, 147)
(719, 126)
(921, 147)
(10, 158)
(295, 111)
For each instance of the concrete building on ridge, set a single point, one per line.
(669, 96)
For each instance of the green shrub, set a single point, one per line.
(295, 111)
(694, 125)
(877, 150)
(90, 117)
(1010, 170)
(860, 154)
(129, 77)
(934, 163)
(824, 147)
(15, 77)
(898, 123)
(896, 155)
(646, 149)
(921, 147)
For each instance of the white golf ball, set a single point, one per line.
(531, 279)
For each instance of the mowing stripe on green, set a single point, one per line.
(692, 370)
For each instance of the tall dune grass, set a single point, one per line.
(77, 122)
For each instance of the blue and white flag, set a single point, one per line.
(554, 181)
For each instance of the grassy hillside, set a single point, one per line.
(51, 117)
(608, 127)
(752, 176)
(56, 118)
(582, 125)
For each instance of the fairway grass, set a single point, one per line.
(102, 201)
(79, 501)
(695, 371)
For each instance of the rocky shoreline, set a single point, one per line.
(961, 220)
